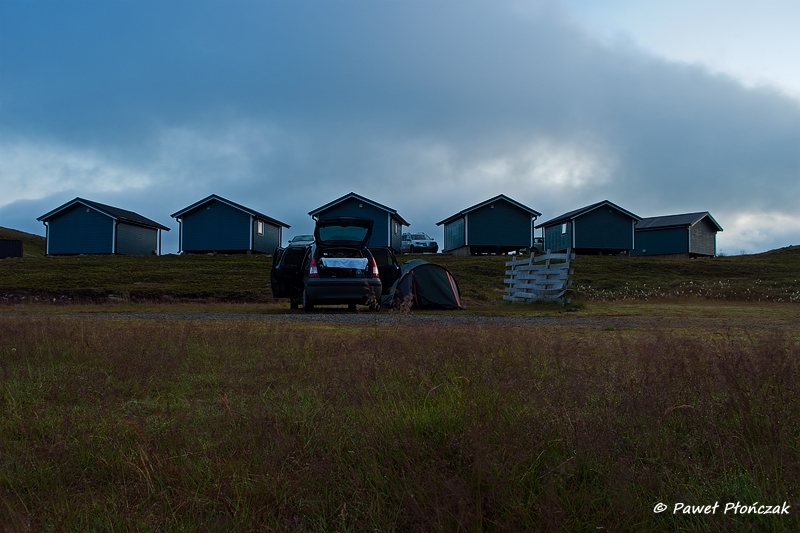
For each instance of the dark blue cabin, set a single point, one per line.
(498, 225)
(387, 230)
(215, 224)
(601, 228)
(81, 226)
(685, 235)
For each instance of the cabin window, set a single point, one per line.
(564, 229)
(260, 226)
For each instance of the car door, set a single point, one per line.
(388, 267)
(286, 278)
(278, 289)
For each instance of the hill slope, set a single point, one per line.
(32, 245)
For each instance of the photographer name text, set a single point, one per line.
(730, 508)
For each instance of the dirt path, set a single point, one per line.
(443, 320)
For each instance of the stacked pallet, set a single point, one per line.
(542, 278)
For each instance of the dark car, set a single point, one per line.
(337, 268)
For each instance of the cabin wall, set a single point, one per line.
(216, 227)
(136, 240)
(80, 230)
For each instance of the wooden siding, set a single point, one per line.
(703, 238)
(350, 208)
(397, 234)
(604, 228)
(665, 241)
(216, 227)
(80, 230)
(454, 236)
(267, 242)
(501, 225)
(555, 241)
(136, 240)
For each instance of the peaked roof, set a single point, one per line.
(360, 198)
(672, 221)
(240, 207)
(583, 210)
(114, 212)
(501, 197)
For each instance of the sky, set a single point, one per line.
(428, 107)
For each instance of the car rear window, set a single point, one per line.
(343, 233)
(420, 237)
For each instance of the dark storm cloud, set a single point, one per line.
(287, 106)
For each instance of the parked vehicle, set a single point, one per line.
(418, 243)
(538, 245)
(302, 239)
(337, 268)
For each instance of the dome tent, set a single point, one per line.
(429, 286)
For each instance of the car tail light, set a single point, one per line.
(312, 269)
(374, 268)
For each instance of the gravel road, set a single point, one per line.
(443, 320)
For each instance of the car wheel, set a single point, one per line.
(375, 306)
(308, 305)
(411, 250)
(293, 303)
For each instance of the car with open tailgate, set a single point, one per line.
(336, 268)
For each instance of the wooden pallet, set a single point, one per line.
(541, 278)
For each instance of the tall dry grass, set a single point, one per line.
(122, 425)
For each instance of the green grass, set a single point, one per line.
(125, 425)
(89, 278)
(770, 276)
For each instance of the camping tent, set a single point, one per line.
(426, 286)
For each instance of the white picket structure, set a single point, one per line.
(545, 277)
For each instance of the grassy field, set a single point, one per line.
(680, 386)
(153, 425)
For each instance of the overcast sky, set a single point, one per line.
(428, 107)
